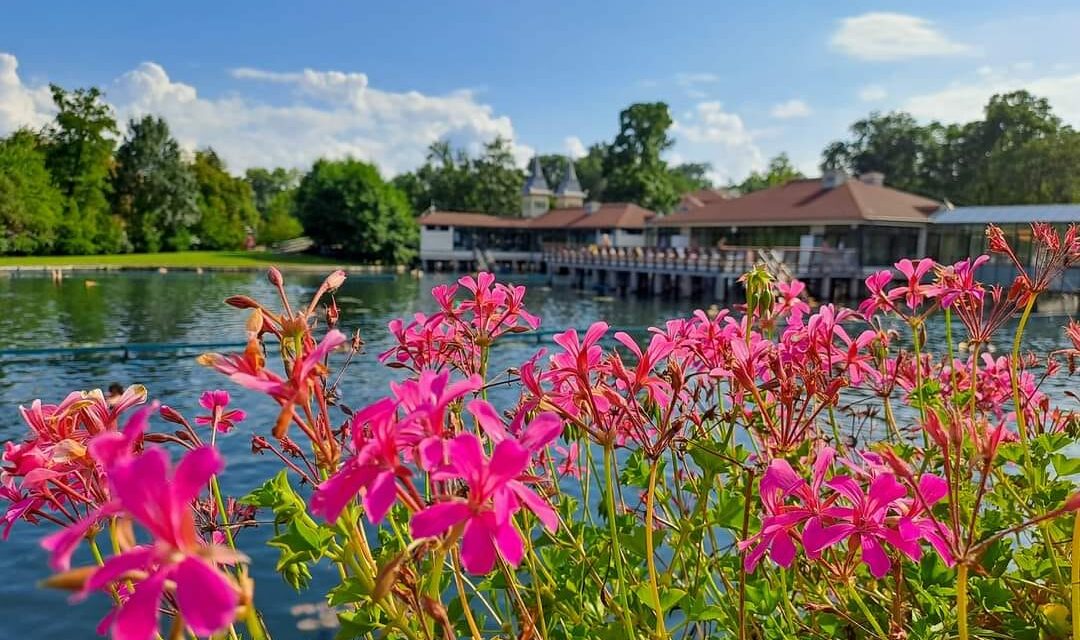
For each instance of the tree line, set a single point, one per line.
(77, 187)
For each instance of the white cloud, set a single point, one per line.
(892, 36)
(711, 134)
(574, 147)
(964, 100)
(873, 93)
(793, 108)
(330, 113)
(20, 105)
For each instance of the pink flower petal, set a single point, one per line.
(206, 598)
(542, 431)
(334, 493)
(488, 419)
(137, 618)
(874, 557)
(438, 518)
(477, 549)
(116, 566)
(380, 496)
(508, 540)
(193, 473)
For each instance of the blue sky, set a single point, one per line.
(273, 83)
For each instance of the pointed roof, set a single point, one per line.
(570, 185)
(535, 184)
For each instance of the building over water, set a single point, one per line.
(560, 217)
(878, 223)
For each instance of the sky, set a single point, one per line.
(283, 83)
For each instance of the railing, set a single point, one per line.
(785, 262)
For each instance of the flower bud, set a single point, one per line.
(241, 302)
(168, 414)
(1072, 503)
(334, 280)
(274, 276)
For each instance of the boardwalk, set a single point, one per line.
(711, 272)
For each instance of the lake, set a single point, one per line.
(138, 307)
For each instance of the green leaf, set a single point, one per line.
(1065, 465)
(349, 591)
(668, 597)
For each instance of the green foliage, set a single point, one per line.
(452, 180)
(30, 206)
(267, 184)
(78, 154)
(692, 176)
(1019, 153)
(347, 208)
(634, 169)
(780, 172)
(227, 209)
(278, 223)
(153, 189)
(300, 540)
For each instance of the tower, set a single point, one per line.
(569, 193)
(536, 193)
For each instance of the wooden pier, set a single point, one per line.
(830, 273)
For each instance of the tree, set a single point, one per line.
(226, 206)
(153, 189)
(634, 170)
(453, 180)
(278, 223)
(266, 184)
(78, 154)
(780, 171)
(893, 144)
(590, 171)
(691, 176)
(30, 206)
(346, 207)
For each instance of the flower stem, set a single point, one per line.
(620, 594)
(1076, 576)
(962, 601)
(1014, 366)
(650, 506)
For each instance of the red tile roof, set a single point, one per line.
(614, 215)
(467, 219)
(807, 202)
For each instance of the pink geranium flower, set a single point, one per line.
(159, 499)
(494, 495)
(220, 418)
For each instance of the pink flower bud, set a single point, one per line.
(334, 280)
(274, 276)
(169, 414)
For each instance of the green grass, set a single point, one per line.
(179, 259)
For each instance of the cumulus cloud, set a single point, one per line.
(708, 133)
(882, 36)
(873, 93)
(574, 147)
(793, 108)
(326, 114)
(20, 105)
(964, 100)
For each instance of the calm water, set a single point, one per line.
(181, 307)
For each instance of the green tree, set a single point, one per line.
(590, 171)
(153, 189)
(892, 143)
(692, 176)
(266, 184)
(226, 206)
(347, 207)
(635, 171)
(30, 206)
(279, 223)
(780, 171)
(78, 154)
(453, 180)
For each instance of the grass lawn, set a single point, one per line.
(179, 259)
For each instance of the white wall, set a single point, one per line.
(434, 239)
(624, 239)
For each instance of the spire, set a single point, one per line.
(535, 184)
(570, 185)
